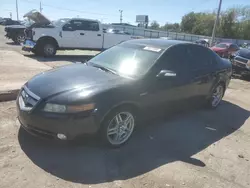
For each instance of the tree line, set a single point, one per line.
(233, 23)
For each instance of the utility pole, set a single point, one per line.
(215, 23)
(10, 15)
(17, 10)
(41, 7)
(120, 15)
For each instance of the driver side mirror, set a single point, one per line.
(68, 27)
(166, 73)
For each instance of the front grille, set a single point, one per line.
(239, 64)
(241, 59)
(27, 99)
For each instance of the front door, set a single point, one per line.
(70, 35)
(171, 91)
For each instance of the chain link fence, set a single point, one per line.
(148, 33)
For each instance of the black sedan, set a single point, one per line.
(111, 91)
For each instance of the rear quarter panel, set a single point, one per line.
(224, 69)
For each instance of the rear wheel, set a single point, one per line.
(216, 96)
(118, 127)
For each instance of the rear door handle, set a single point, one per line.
(99, 35)
(81, 33)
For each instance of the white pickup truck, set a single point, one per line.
(65, 34)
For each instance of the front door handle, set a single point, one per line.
(81, 33)
(99, 35)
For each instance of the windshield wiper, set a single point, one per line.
(103, 68)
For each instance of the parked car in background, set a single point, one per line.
(241, 62)
(15, 33)
(70, 34)
(110, 92)
(6, 22)
(203, 42)
(225, 50)
(116, 31)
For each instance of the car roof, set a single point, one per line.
(160, 43)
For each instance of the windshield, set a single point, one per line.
(60, 22)
(128, 59)
(221, 45)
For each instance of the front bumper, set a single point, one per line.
(50, 125)
(240, 68)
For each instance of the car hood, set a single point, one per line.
(69, 78)
(244, 53)
(216, 49)
(37, 17)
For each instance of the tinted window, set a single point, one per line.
(85, 25)
(200, 57)
(175, 59)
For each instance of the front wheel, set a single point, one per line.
(47, 49)
(118, 127)
(19, 38)
(216, 96)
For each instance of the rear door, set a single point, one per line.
(90, 35)
(202, 69)
(172, 91)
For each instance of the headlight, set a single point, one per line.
(54, 108)
(57, 108)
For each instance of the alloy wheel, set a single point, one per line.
(217, 95)
(120, 128)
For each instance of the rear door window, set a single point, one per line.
(85, 25)
(200, 57)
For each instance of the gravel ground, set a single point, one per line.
(196, 148)
(191, 149)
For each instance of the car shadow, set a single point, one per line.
(71, 58)
(159, 142)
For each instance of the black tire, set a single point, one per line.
(211, 103)
(105, 139)
(19, 38)
(46, 48)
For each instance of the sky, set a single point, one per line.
(107, 11)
